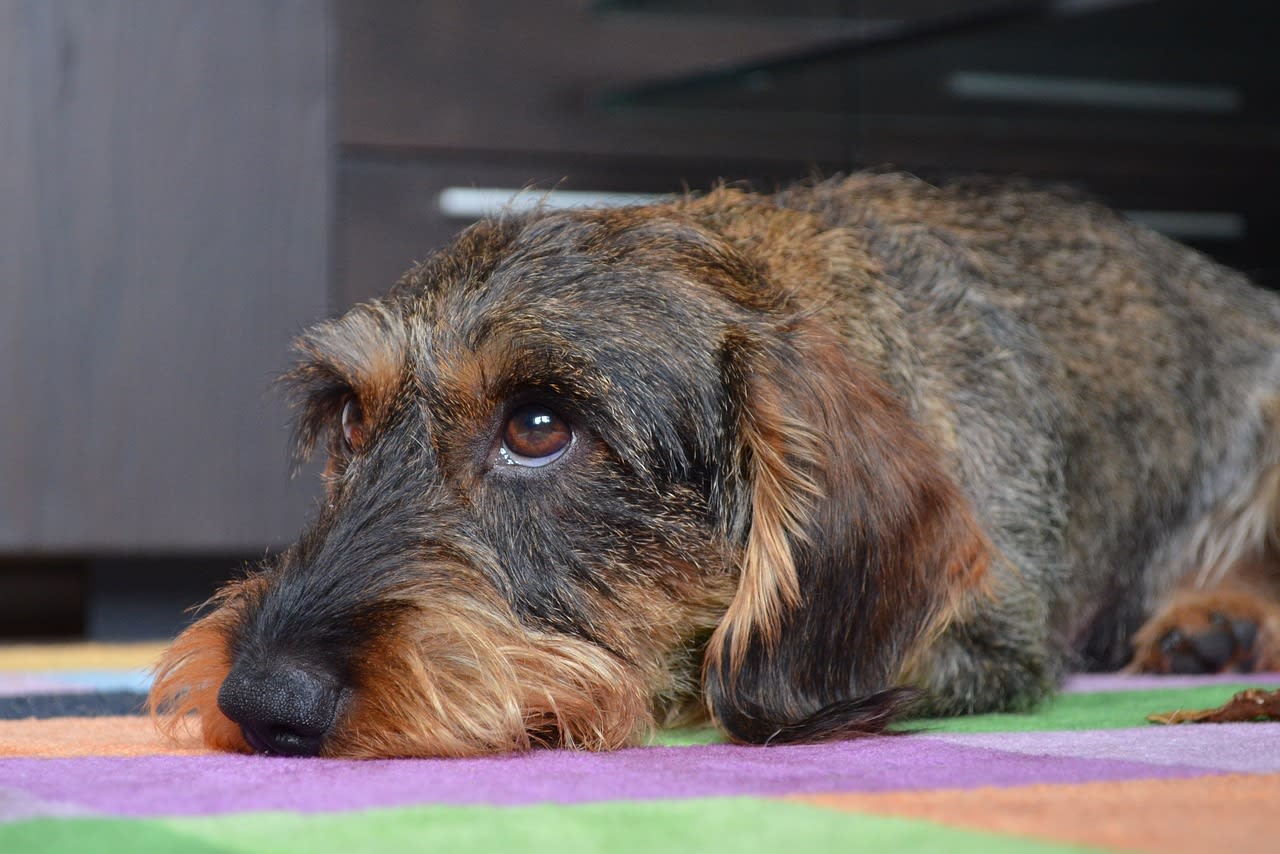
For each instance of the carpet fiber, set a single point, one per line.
(81, 768)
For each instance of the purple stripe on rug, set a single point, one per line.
(20, 684)
(1249, 747)
(200, 785)
(1089, 683)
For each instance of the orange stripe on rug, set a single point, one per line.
(1230, 812)
(132, 735)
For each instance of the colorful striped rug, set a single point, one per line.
(81, 769)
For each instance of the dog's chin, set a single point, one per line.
(463, 680)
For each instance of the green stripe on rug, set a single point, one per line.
(1100, 710)
(744, 825)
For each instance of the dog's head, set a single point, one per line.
(587, 472)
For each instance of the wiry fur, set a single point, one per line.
(838, 450)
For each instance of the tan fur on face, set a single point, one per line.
(367, 347)
(366, 351)
(184, 694)
(457, 676)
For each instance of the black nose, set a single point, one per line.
(286, 710)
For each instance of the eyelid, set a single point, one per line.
(510, 458)
(353, 424)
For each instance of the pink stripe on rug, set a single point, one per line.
(220, 783)
(1089, 683)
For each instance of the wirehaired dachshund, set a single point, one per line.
(794, 464)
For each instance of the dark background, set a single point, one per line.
(185, 184)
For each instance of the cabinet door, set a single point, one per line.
(165, 197)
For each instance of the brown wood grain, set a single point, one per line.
(496, 75)
(165, 199)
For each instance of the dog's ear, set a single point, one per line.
(856, 545)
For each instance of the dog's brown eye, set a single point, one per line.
(353, 430)
(534, 436)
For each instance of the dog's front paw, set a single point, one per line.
(1223, 631)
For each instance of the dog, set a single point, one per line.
(795, 464)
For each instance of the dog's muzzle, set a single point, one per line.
(285, 710)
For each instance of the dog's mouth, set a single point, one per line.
(280, 741)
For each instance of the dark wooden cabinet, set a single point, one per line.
(165, 207)
(1162, 106)
(520, 79)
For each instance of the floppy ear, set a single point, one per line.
(856, 545)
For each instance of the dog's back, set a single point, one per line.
(1119, 387)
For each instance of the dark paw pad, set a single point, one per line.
(1224, 646)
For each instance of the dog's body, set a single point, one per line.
(774, 459)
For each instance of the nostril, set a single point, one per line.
(288, 710)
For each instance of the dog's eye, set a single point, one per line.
(353, 429)
(534, 436)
